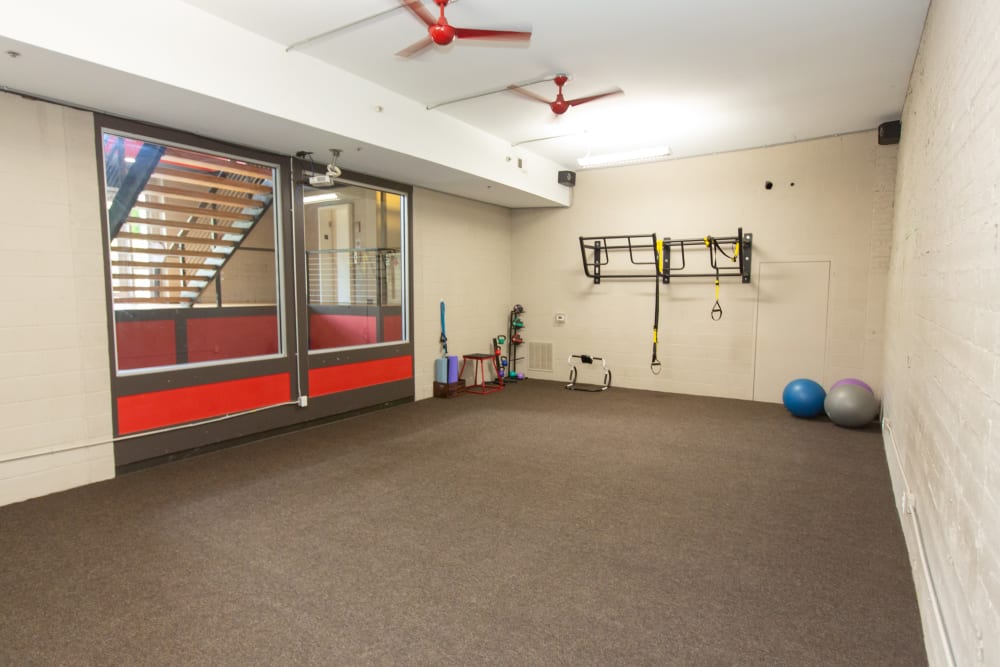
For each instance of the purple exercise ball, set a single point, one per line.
(852, 381)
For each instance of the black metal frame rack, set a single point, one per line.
(595, 254)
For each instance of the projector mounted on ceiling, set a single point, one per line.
(321, 181)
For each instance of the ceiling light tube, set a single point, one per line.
(624, 157)
(327, 196)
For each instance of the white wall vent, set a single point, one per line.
(539, 356)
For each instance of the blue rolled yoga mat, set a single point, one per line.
(452, 369)
(441, 370)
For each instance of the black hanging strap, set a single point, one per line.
(655, 366)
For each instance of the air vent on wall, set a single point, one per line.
(539, 356)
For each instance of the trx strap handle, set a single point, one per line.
(717, 309)
(444, 338)
(713, 246)
(655, 366)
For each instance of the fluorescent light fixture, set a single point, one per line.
(326, 196)
(624, 157)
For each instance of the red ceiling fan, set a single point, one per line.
(561, 105)
(441, 32)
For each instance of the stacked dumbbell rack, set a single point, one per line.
(514, 340)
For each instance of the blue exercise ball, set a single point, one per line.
(803, 397)
(851, 405)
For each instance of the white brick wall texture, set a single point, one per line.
(55, 398)
(942, 361)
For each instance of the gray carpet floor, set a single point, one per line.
(535, 526)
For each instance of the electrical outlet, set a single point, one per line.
(303, 401)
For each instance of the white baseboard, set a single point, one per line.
(41, 473)
(936, 639)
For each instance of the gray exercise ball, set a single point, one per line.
(850, 405)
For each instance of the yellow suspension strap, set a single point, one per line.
(713, 246)
(655, 366)
(716, 309)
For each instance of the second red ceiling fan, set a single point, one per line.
(561, 105)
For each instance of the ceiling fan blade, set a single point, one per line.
(334, 31)
(340, 28)
(549, 138)
(504, 35)
(529, 94)
(419, 11)
(591, 98)
(415, 48)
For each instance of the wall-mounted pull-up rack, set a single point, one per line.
(646, 251)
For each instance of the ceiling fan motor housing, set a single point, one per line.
(442, 33)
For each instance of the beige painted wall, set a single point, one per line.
(55, 396)
(838, 211)
(942, 370)
(462, 252)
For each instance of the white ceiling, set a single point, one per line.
(702, 77)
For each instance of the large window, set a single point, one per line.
(240, 297)
(193, 261)
(355, 262)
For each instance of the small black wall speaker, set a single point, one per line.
(888, 133)
(567, 178)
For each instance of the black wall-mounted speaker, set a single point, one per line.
(888, 133)
(567, 178)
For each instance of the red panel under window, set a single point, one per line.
(215, 338)
(392, 327)
(326, 331)
(157, 409)
(333, 379)
(145, 344)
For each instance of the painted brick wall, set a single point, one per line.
(831, 202)
(942, 372)
(55, 402)
(462, 254)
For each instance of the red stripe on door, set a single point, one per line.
(333, 379)
(157, 409)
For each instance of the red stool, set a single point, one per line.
(479, 386)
